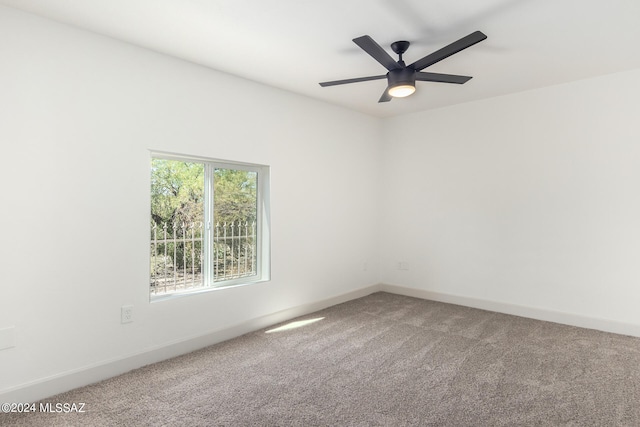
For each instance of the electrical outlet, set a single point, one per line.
(402, 265)
(126, 314)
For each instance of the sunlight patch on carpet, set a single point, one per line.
(294, 325)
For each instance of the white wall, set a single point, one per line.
(529, 200)
(78, 116)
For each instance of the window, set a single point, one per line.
(209, 224)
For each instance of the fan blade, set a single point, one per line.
(447, 51)
(369, 45)
(385, 96)
(441, 78)
(356, 80)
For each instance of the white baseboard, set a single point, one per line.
(571, 319)
(64, 381)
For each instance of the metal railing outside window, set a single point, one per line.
(177, 254)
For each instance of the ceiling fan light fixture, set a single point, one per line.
(401, 78)
(401, 90)
(402, 82)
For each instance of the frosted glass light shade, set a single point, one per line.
(401, 91)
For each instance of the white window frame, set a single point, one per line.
(263, 235)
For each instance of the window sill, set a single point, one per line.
(203, 290)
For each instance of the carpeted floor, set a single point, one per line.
(380, 360)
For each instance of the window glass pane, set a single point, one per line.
(177, 225)
(235, 216)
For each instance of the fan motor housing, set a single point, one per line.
(402, 76)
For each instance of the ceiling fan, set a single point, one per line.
(401, 78)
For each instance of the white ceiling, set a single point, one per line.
(294, 44)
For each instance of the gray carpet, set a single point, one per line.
(380, 360)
